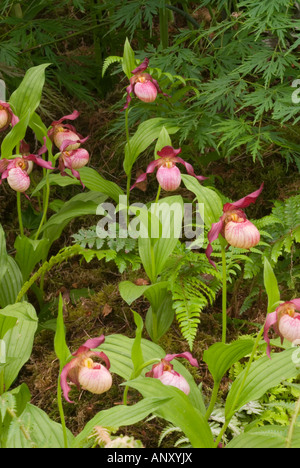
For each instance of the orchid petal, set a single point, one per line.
(150, 170)
(186, 355)
(168, 152)
(142, 67)
(129, 89)
(39, 161)
(190, 169)
(244, 202)
(67, 143)
(72, 116)
(213, 234)
(296, 303)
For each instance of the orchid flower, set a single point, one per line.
(285, 321)
(73, 160)
(65, 136)
(84, 372)
(234, 225)
(142, 85)
(168, 174)
(168, 376)
(17, 170)
(7, 116)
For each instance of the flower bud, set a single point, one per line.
(145, 90)
(169, 177)
(242, 234)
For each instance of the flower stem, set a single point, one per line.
(20, 213)
(129, 175)
(292, 425)
(213, 400)
(224, 295)
(61, 411)
(45, 206)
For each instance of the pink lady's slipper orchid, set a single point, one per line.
(17, 170)
(142, 85)
(168, 174)
(234, 225)
(84, 372)
(65, 136)
(7, 116)
(168, 376)
(73, 160)
(285, 321)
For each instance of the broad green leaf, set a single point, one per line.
(95, 182)
(11, 283)
(14, 137)
(56, 179)
(80, 205)
(27, 97)
(271, 286)
(162, 141)
(19, 339)
(30, 253)
(145, 135)
(213, 206)
(178, 410)
(264, 373)
(120, 416)
(60, 346)
(43, 432)
(269, 436)
(220, 357)
(136, 352)
(118, 348)
(128, 63)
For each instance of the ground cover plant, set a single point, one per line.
(150, 224)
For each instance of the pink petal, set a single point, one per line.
(142, 67)
(213, 234)
(190, 169)
(185, 355)
(150, 170)
(72, 116)
(168, 152)
(271, 321)
(244, 202)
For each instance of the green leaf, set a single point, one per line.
(270, 436)
(178, 410)
(80, 205)
(220, 357)
(213, 206)
(19, 339)
(11, 283)
(119, 416)
(128, 63)
(93, 181)
(145, 135)
(26, 99)
(14, 137)
(60, 346)
(56, 179)
(271, 286)
(30, 253)
(136, 352)
(265, 373)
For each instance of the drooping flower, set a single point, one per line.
(234, 225)
(73, 160)
(285, 321)
(17, 170)
(143, 85)
(165, 372)
(84, 372)
(7, 117)
(168, 174)
(65, 136)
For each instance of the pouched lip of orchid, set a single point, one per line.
(216, 228)
(62, 166)
(84, 350)
(167, 154)
(136, 73)
(7, 164)
(272, 319)
(13, 118)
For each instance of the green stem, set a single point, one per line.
(1, 381)
(45, 206)
(129, 152)
(292, 425)
(136, 374)
(20, 213)
(61, 411)
(224, 296)
(229, 417)
(164, 27)
(213, 400)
